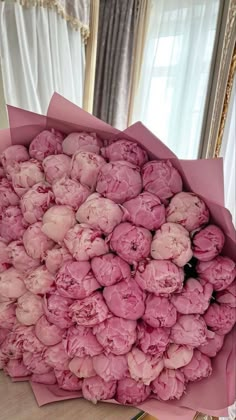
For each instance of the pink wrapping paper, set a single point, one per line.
(203, 177)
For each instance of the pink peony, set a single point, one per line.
(152, 341)
(56, 309)
(67, 380)
(177, 356)
(100, 213)
(159, 312)
(25, 175)
(220, 272)
(198, 368)
(16, 369)
(169, 385)
(13, 224)
(228, 296)
(44, 378)
(143, 367)
(36, 201)
(220, 318)
(48, 333)
(116, 335)
(85, 243)
(29, 308)
(208, 243)
(46, 143)
(80, 341)
(40, 281)
(130, 242)
(109, 269)
(21, 339)
(12, 154)
(85, 168)
(69, 192)
(159, 277)
(131, 392)
(82, 141)
(125, 150)
(75, 280)
(213, 345)
(110, 367)
(189, 210)
(125, 299)
(194, 298)
(56, 357)
(172, 242)
(57, 221)
(20, 260)
(95, 389)
(36, 243)
(145, 210)
(161, 179)
(82, 367)
(55, 167)
(89, 311)
(119, 181)
(5, 260)
(7, 315)
(36, 363)
(3, 333)
(189, 330)
(12, 283)
(7, 196)
(56, 257)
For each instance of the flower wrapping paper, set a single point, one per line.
(205, 178)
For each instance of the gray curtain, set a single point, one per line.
(117, 19)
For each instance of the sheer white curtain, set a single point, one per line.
(228, 152)
(175, 71)
(40, 53)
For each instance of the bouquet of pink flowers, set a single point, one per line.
(117, 266)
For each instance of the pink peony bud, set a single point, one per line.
(55, 167)
(220, 272)
(131, 392)
(145, 210)
(75, 280)
(213, 345)
(13, 224)
(85, 168)
(159, 277)
(36, 243)
(56, 357)
(85, 243)
(159, 312)
(116, 335)
(189, 330)
(100, 213)
(25, 175)
(44, 378)
(161, 179)
(80, 341)
(16, 369)
(20, 260)
(46, 143)
(7, 196)
(67, 380)
(49, 334)
(56, 309)
(7, 315)
(12, 284)
(125, 299)
(172, 242)
(169, 385)
(57, 221)
(110, 367)
(189, 210)
(109, 269)
(95, 389)
(29, 308)
(198, 368)
(220, 318)
(12, 154)
(89, 311)
(82, 141)
(36, 201)
(228, 296)
(56, 257)
(177, 356)
(143, 367)
(69, 192)
(119, 181)
(130, 242)
(152, 341)
(82, 367)
(125, 150)
(5, 260)
(194, 298)
(36, 363)
(40, 281)
(208, 243)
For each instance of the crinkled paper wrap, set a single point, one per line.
(204, 177)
